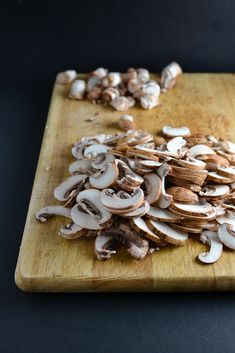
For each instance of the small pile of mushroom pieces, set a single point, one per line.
(120, 90)
(147, 192)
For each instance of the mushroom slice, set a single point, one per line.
(203, 210)
(150, 164)
(214, 162)
(228, 172)
(215, 191)
(193, 175)
(153, 185)
(102, 159)
(162, 215)
(164, 200)
(138, 247)
(176, 144)
(81, 166)
(90, 201)
(47, 212)
(217, 178)
(230, 158)
(72, 231)
(198, 150)
(226, 235)
(211, 225)
(140, 224)
(62, 191)
(121, 201)
(194, 230)
(105, 177)
(78, 150)
(94, 150)
(84, 220)
(229, 147)
(191, 163)
(141, 154)
(138, 212)
(227, 218)
(174, 132)
(216, 247)
(182, 195)
(105, 245)
(168, 234)
(184, 183)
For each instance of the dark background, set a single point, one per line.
(38, 39)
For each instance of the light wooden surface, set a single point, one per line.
(47, 262)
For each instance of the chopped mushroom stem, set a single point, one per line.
(136, 190)
(121, 90)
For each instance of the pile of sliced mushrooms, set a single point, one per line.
(120, 90)
(147, 192)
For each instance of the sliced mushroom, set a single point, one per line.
(184, 183)
(138, 212)
(141, 226)
(162, 215)
(216, 247)
(176, 144)
(47, 212)
(105, 245)
(153, 184)
(105, 177)
(190, 163)
(137, 246)
(201, 210)
(78, 150)
(89, 212)
(226, 233)
(228, 172)
(62, 191)
(215, 191)
(94, 150)
(192, 175)
(217, 178)
(102, 159)
(198, 150)
(182, 195)
(81, 166)
(150, 164)
(121, 201)
(72, 231)
(229, 147)
(174, 132)
(214, 162)
(167, 233)
(164, 200)
(186, 229)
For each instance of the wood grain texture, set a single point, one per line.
(47, 262)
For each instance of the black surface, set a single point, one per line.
(37, 40)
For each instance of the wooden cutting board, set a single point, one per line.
(47, 262)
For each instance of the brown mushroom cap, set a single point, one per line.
(182, 195)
